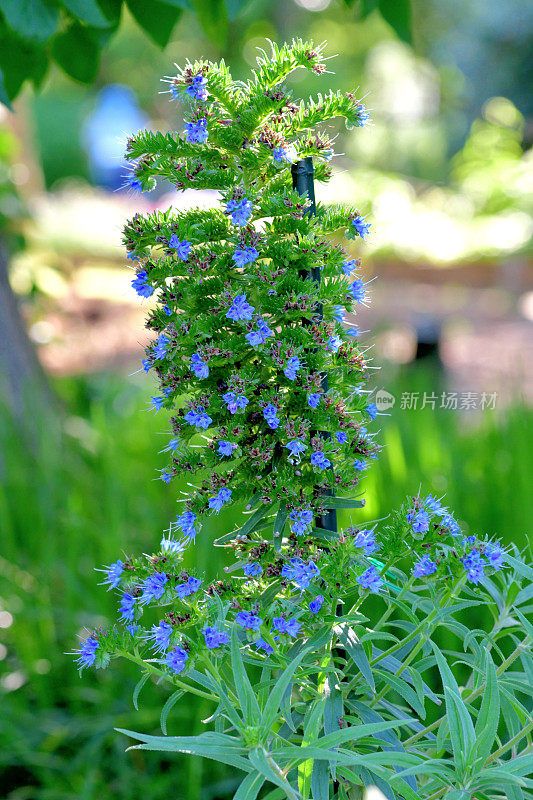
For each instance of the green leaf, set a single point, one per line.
(213, 18)
(137, 690)
(489, 714)
(400, 686)
(249, 788)
(320, 780)
(77, 52)
(216, 746)
(20, 61)
(333, 707)
(522, 569)
(342, 502)
(264, 765)
(3, 94)
(279, 526)
(209, 683)
(156, 18)
(355, 649)
(398, 14)
(88, 11)
(276, 695)
(462, 732)
(35, 20)
(245, 693)
(253, 522)
(169, 705)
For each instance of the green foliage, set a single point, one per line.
(56, 506)
(329, 673)
(73, 32)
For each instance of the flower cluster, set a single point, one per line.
(248, 300)
(248, 309)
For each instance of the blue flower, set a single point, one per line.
(87, 652)
(364, 116)
(494, 555)
(295, 447)
(153, 587)
(288, 626)
(185, 523)
(285, 152)
(160, 636)
(175, 659)
(300, 572)
(319, 460)
(235, 402)
(316, 604)
(341, 437)
(339, 314)
(198, 418)
(260, 644)
(240, 210)
(371, 580)
(255, 338)
(359, 465)
(433, 504)
(166, 477)
(171, 546)
(302, 519)
(420, 522)
(167, 310)
(157, 402)
(293, 365)
(226, 448)
(360, 226)
(252, 570)
(450, 523)
(172, 445)
(351, 332)
(147, 364)
(126, 607)
(142, 288)
(247, 620)
(424, 567)
(160, 348)
(349, 266)
(270, 413)
(240, 309)
(365, 539)
(190, 586)
(113, 574)
(196, 132)
(198, 366)
(372, 410)
(334, 343)
(214, 638)
(357, 290)
(216, 503)
(474, 565)
(197, 89)
(182, 248)
(313, 400)
(245, 255)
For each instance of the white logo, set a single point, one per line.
(384, 400)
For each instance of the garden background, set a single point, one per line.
(445, 175)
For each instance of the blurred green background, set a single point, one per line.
(446, 175)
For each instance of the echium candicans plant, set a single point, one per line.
(395, 654)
